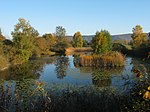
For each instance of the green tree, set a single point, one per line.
(50, 40)
(62, 41)
(24, 40)
(85, 43)
(61, 45)
(77, 40)
(102, 42)
(139, 38)
(44, 44)
(60, 31)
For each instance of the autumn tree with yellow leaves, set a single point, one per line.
(77, 40)
(102, 42)
(138, 36)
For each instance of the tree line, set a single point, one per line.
(27, 42)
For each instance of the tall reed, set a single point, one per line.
(109, 59)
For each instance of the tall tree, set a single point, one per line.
(102, 42)
(138, 36)
(23, 38)
(62, 41)
(60, 31)
(77, 40)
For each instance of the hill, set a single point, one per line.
(114, 37)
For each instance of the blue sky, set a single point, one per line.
(86, 16)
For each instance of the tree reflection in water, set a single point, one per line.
(61, 64)
(103, 77)
(23, 80)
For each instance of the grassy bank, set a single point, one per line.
(79, 50)
(3, 62)
(110, 59)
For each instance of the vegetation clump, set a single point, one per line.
(102, 42)
(109, 59)
(3, 59)
(77, 40)
(139, 37)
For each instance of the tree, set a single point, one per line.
(77, 40)
(2, 38)
(60, 31)
(62, 41)
(102, 42)
(61, 64)
(139, 38)
(50, 40)
(45, 43)
(24, 39)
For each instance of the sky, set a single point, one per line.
(86, 16)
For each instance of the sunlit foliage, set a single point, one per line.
(77, 40)
(1, 36)
(3, 59)
(102, 42)
(23, 37)
(138, 36)
(109, 59)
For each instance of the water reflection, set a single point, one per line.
(101, 77)
(20, 72)
(61, 69)
(61, 64)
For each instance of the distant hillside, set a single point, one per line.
(122, 37)
(114, 37)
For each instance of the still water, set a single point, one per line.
(62, 70)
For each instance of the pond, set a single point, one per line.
(61, 70)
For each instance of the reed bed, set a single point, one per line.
(72, 98)
(110, 59)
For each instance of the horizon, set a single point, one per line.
(118, 17)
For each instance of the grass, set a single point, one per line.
(3, 62)
(110, 59)
(79, 50)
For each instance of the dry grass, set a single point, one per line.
(79, 50)
(110, 59)
(3, 62)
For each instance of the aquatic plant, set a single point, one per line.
(109, 59)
